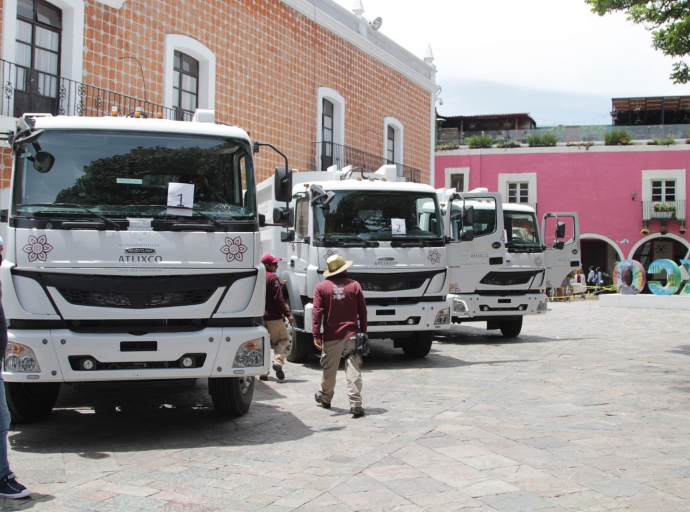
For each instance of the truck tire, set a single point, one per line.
(419, 345)
(231, 396)
(301, 346)
(29, 403)
(511, 328)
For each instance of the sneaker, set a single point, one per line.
(10, 488)
(263, 377)
(317, 397)
(279, 371)
(356, 411)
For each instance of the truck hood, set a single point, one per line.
(382, 259)
(144, 250)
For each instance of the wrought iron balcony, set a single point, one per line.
(29, 90)
(664, 211)
(330, 154)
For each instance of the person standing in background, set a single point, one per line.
(274, 316)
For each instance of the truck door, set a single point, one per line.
(561, 236)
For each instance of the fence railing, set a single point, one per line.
(329, 153)
(564, 134)
(663, 210)
(28, 90)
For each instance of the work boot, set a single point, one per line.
(279, 371)
(317, 397)
(356, 412)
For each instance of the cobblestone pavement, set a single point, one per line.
(586, 410)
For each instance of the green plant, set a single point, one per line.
(480, 141)
(585, 145)
(508, 144)
(446, 146)
(663, 231)
(644, 231)
(664, 207)
(669, 140)
(618, 138)
(542, 140)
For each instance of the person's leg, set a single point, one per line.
(4, 428)
(331, 353)
(354, 376)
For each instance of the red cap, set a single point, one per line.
(269, 258)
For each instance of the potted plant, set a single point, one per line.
(682, 230)
(664, 210)
(644, 231)
(663, 231)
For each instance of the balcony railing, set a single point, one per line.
(664, 211)
(329, 154)
(28, 90)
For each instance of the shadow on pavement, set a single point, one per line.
(95, 423)
(681, 349)
(476, 335)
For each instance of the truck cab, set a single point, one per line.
(398, 254)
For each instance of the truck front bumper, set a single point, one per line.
(67, 356)
(467, 307)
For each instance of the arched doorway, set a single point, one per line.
(599, 251)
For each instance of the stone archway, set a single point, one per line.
(599, 251)
(658, 246)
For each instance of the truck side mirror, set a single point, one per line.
(560, 229)
(3, 216)
(468, 216)
(558, 245)
(262, 220)
(287, 236)
(283, 184)
(468, 236)
(284, 216)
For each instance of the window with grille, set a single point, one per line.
(518, 192)
(390, 145)
(39, 31)
(664, 190)
(327, 135)
(457, 181)
(185, 86)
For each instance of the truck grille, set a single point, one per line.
(509, 278)
(373, 286)
(393, 282)
(123, 300)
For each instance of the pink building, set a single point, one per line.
(616, 190)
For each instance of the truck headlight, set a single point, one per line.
(459, 306)
(250, 354)
(442, 317)
(20, 358)
(541, 307)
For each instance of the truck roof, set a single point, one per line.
(129, 124)
(374, 186)
(517, 207)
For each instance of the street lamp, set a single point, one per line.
(141, 68)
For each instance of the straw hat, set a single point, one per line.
(336, 265)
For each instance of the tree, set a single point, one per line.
(669, 21)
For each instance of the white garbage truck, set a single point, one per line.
(131, 254)
(377, 222)
(500, 262)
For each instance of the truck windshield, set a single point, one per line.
(389, 215)
(521, 228)
(125, 174)
(484, 218)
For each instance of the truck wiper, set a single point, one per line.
(105, 220)
(213, 221)
(358, 241)
(189, 225)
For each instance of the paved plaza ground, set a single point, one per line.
(586, 410)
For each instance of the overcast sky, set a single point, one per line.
(553, 59)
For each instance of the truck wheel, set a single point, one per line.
(231, 396)
(301, 346)
(29, 403)
(511, 328)
(419, 345)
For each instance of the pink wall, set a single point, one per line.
(596, 183)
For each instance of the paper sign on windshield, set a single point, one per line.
(180, 199)
(398, 227)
